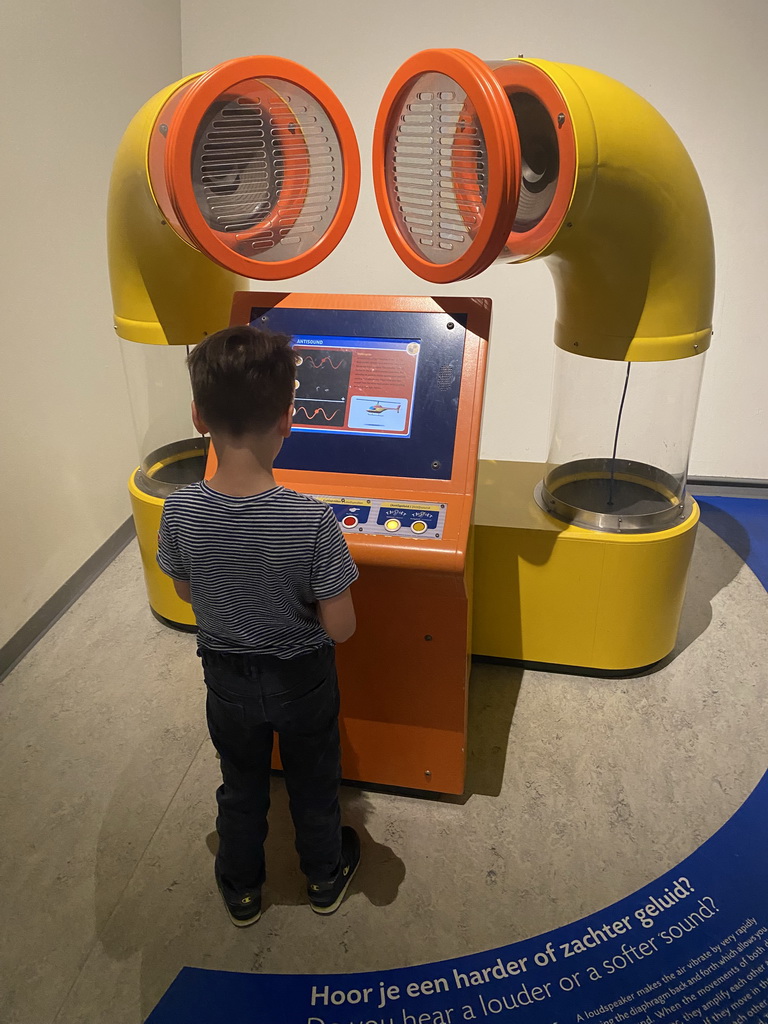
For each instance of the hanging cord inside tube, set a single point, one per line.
(616, 437)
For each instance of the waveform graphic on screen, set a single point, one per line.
(310, 413)
(326, 360)
(301, 410)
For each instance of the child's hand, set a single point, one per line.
(337, 616)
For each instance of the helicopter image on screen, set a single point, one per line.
(377, 408)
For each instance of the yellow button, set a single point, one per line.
(418, 526)
(392, 525)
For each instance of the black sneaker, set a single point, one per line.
(326, 897)
(243, 910)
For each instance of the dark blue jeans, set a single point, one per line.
(250, 697)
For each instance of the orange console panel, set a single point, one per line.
(386, 430)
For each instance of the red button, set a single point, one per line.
(349, 521)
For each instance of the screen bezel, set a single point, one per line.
(478, 311)
(428, 452)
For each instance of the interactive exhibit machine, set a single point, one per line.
(252, 171)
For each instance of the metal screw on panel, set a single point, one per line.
(560, 120)
(435, 465)
(264, 319)
(569, 224)
(428, 636)
(163, 129)
(428, 773)
(695, 346)
(450, 326)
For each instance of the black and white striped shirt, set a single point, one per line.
(256, 566)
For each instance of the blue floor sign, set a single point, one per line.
(690, 947)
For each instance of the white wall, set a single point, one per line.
(72, 76)
(700, 62)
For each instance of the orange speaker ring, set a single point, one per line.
(520, 76)
(494, 113)
(161, 185)
(156, 159)
(192, 107)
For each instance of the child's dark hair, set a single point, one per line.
(243, 379)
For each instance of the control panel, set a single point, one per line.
(385, 517)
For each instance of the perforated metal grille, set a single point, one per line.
(437, 169)
(267, 170)
(445, 377)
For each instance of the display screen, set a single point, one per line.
(377, 391)
(355, 385)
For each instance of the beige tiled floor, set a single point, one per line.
(581, 790)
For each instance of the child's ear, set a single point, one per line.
(285, 422)
(197, 421)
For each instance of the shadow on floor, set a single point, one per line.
(493, 695)
(381, 872)
(726, 527)
(722, 548)
(170, 878)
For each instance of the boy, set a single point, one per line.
(267, 572)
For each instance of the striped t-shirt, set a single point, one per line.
(256, 566)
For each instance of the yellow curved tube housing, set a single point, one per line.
(633, 259)
(164, 292)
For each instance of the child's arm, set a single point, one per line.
(169, 558)
(333, 571)
(337, 616)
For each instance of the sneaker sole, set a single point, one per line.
(339, 899)
(242, 924)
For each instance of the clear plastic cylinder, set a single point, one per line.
(620, 442)
(171, 453)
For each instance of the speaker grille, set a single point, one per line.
(266, 170)
(445, 377)
(437, 161)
